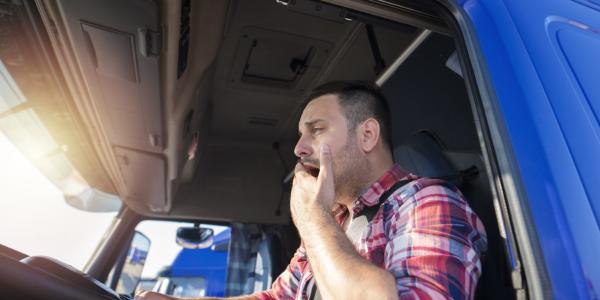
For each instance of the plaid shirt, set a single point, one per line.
(425, 234)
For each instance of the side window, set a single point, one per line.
(184, 259)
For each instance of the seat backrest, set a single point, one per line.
(422, 154)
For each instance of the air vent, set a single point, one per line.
(184, 37)
(262, 121)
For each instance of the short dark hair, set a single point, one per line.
(359, 101)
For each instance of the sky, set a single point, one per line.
(35, 219)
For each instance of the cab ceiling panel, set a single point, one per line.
(271, 55)
(114, 42)
(273, 59)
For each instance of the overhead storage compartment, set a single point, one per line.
(131, 115)
(122, 74)
(116, 46)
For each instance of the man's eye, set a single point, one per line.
(317, 130)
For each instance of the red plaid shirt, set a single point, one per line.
(425, 234)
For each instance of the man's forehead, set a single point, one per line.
(322, 108)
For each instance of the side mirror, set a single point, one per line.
(133, 264)
(194, 237)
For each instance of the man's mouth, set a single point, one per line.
(312, 170)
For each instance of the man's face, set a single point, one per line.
(323, 122)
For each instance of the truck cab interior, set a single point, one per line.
(188, 110)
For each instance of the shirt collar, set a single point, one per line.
(371, 195)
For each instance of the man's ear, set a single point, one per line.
(369, 134)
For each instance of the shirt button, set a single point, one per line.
(356, 202)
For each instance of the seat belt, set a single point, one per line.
(356, 228)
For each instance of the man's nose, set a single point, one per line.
(302, 149)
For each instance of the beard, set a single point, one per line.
(350, 170)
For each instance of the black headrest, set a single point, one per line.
(423, 155)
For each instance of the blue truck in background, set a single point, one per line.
(197, 272)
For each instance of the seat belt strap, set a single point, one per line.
(356, 228)
(361, 221)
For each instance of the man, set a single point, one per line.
(423, 242)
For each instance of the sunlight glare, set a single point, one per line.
(34, 217)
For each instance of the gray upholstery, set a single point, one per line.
(423, 155)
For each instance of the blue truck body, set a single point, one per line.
(542, 65)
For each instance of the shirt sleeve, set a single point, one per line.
(435, 242)
(286, 284)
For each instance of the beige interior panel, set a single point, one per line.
(123, 83)
(144, 175)
(235, 181)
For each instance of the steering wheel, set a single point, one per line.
(39, 277)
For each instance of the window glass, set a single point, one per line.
(36, 220)
(39, 187)
(174, 270)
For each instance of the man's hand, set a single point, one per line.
(340, 272)
(312, 195)
(146, 295)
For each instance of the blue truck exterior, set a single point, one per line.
(209, 263)
(542, 59)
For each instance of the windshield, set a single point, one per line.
(36, 220)
(169, 268)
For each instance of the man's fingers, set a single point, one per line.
(298, 168)
(300, 172)
(326, 166)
